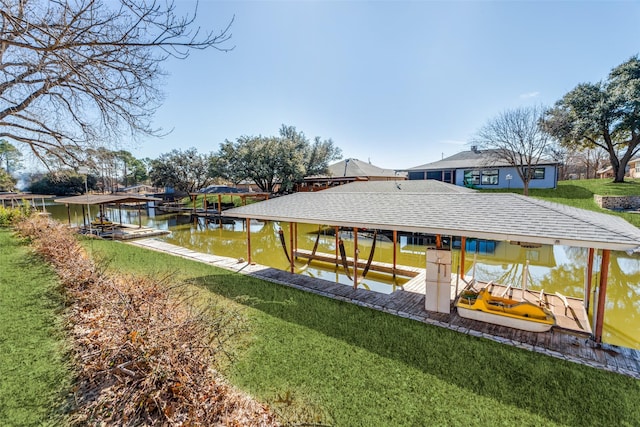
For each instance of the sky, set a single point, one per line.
(398, 84)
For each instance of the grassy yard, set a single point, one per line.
(353, 366)
(34, 376)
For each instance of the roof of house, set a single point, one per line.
(353, 168)
(404, 186)
(470, 159)
(496, 216)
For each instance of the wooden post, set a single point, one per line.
(139, 217)
(589, 278)
(291, 246)
(295, 237)
(68, 212)
(463, 250)
(337, 229)
(249, 240)
(120, 213)
(602, 293)
(355, 257)
(395, 255)
(438, 241)
(219, 204)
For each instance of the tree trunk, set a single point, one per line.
(525, 187)
(619, 174)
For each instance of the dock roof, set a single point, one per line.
(400, 186)
(496, 216)
(99, 199)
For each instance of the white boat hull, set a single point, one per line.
(498, 319)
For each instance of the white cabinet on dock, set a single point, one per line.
(438, 281)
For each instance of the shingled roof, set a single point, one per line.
(471, 159)
(415, 186)
(353, 168)
(498, 216)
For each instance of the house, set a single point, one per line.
(346, 171)
(634, 168)
(482, 169)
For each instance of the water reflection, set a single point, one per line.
(552, 268)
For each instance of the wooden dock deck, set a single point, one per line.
(558, 342)
(400, 270)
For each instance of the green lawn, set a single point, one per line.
(34, 376)
(359, 367)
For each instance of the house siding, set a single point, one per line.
(549, 181)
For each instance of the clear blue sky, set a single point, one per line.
(397, 83)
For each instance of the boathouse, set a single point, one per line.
(347, 171)
(463, 214)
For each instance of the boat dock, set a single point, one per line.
(560, 342)
(400, 270)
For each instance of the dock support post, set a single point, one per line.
(588, 279)
(249, 240)
(395, 251)
(68, 212)
(602, 294)
(291, 246)
(337, 229)
(463, 250)
(295, 238)
(355, 257)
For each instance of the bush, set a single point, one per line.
(11, 216)
(145, 354)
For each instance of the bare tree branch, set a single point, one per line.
(79, 74)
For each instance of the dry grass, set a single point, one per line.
(144, 354)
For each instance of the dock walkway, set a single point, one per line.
(557, 343)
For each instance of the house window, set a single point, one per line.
(535, 173)
(489, 177)
(471, 177)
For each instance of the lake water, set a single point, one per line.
(552, 268)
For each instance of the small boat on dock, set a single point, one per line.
(482, 306)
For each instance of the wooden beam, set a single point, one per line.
(589, 278)
(602, 294)
(293, 269)
(463, 250)
(337, 230)
(249, 240)
(355, 257)
(395, 251)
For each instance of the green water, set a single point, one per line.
(552, 268)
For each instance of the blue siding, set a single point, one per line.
(549, 180)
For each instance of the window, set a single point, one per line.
(471, 177)
(535, 173)
(485, 177)
(489, 177)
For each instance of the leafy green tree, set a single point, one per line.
(63, 183)
(273, 162)
(7, 182)
(186, 171)
(10, 156)
(80, 74)
(604, 114)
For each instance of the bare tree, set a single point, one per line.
(78, 74)
(516, 138)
